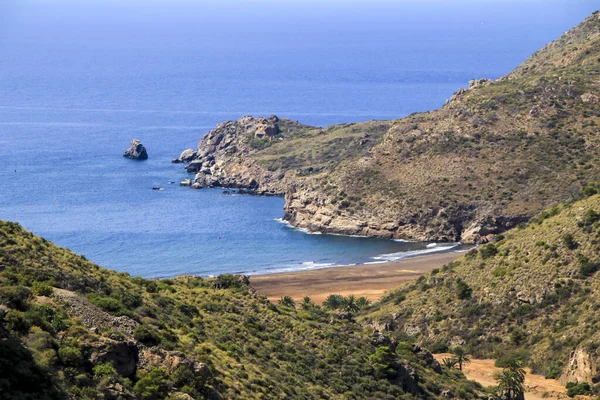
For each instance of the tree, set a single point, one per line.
(153, 386)
(449, 362)
(351, 305)
(461, 357)
(307, 303)
(383, 362)
(510, 381)
(334, 302)
(287, 301)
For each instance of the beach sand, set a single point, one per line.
(369, 280)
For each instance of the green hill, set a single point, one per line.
(496, 154)
(533, 293)
(71, 329)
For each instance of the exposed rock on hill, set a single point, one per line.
(533, 292)
(136, 151)
(111, 336)
(495, 155)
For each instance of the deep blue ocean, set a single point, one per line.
(80, 79)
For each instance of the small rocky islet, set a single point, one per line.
(136, 151)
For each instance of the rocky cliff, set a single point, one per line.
(494, 155)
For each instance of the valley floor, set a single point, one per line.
(536, 386)
(369, 280)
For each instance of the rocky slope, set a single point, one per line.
(533, 292)
(71, 329)
(495, 155)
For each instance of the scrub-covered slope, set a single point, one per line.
(496, 154)
(69, 328)
(534, 292)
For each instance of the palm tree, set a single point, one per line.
(351, 305)
(334, 302)
(461, 357)
(449, 362)
(363, 302)
(306, 303)
(287, 301)
(510, 381)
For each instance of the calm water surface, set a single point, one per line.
(78, 81)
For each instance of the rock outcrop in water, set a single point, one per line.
(496, 154)
(136, 151)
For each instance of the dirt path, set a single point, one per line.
(536, 386)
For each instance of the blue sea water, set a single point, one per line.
(78, 80)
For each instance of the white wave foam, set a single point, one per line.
(414, 253)
(305, 266)
(430, 245)
(303, 230)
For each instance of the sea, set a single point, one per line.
(80, 79)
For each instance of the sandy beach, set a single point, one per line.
(369, 280)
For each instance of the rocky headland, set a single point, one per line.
(496, 154)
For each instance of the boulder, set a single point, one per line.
(186, 156)
(122, 355)
(136, 151)
(582, 367)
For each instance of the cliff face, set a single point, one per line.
(496, 154)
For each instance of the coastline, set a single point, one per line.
(369, 280)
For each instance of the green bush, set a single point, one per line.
(14, 296)
(569, 241)
(42, 289)
(148, 336)
(513, 358)
(487, 251)
(70, 356)
(578, 389)
(152, 386)
(463, 291)
(102, 370)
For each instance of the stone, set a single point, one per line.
(582, 367)
(122, 355)
(136, 151)
(186, 156)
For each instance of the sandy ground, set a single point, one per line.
(536, 386)
(369, 280)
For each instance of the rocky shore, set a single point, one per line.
(467, 171)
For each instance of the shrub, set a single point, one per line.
(153, 385)
(463, 291)
(578, 389)
(148, 336)
(590, 189)
(587, 267)
(569, 241)
(102, 370)
(42, 289)
(14, 296)
(107, 304)
(509, 359)
(554, 370)
(488, 251)
(69, 356)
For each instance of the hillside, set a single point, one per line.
(71, 329)
(496, 154)
(533, 292)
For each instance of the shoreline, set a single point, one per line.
(369, 280)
